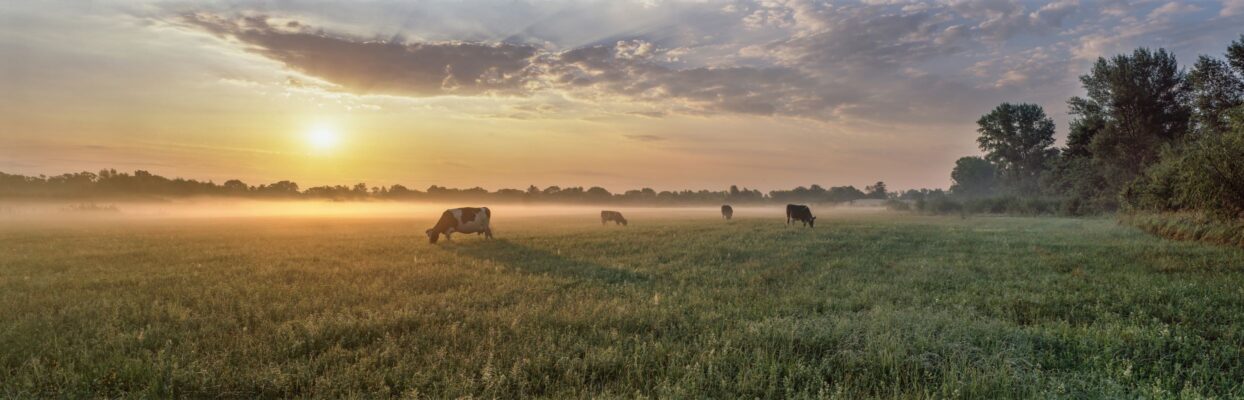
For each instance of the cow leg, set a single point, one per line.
(488, 233)
(448, 237)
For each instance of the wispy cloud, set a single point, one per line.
(800, 58)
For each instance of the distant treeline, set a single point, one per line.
(1147, 136)
(111, 184)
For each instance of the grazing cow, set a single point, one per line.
(465, 220)
(727, 212)
(616, 217)
(799, 212)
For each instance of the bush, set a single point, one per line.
(897, 205)
(1013, 205)
(1204, 175)
(1073, 207)
(939, 205)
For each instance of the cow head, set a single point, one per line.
(433, 236)
(812, 222)
(623, 221)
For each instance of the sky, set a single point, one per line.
(667, 94)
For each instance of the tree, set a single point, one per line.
(235, 187)
(1205, 175)
(839, 194)
(1235, 55)
(1073, 175)
(876, 191)
(1214, 89)
(1018, 140)
(973, 177)
(598, 193)
(279, 189)
(1143, 98)
(1087, 120)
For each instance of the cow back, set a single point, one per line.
(470, 219)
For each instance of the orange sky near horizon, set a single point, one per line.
(624, 95)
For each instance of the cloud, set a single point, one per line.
(375, 67)
(611, 70)
(1037, 67)
(799, 58)
(1231, 8)
(646, 138)
(629, 70)
(1171, 9)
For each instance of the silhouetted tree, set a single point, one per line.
(1018, 139)
(1235, 55)
(235, 187)
(973, 177)
(876, 191)
(842, 194)
(1143, 98)
(1214, 89)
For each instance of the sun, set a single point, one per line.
(322, 138)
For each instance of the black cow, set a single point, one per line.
(799, 212)
(727, 212)
(465, 220)
(616, 217)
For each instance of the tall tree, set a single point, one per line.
(1214, 89)
(876, 191)
(1143, 97)
(1087, 120)
(1235, 54)
(1018, 139)
(1073, 174)
(973, 177)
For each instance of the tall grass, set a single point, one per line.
(1189, 226)
(861, 306)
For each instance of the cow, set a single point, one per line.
(616, 217)
(801, 213)
(727, 212)
(465, 220)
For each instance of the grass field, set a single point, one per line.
(679, 305)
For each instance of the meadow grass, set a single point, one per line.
(865, 305)
(1189, 226)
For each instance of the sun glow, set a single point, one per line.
(322, 138)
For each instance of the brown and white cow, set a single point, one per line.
(616, 217)
(727, 212)
(465, 220)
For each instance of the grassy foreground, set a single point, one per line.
(864, 306)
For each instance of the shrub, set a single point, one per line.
(1204, 175)
(943, 205)
(897, 205)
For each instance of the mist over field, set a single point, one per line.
(70, 211)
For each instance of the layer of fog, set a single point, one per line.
(215, 208)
